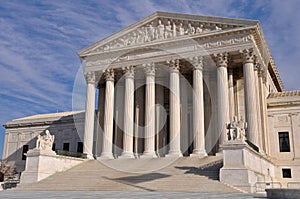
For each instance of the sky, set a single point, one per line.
(39, 41)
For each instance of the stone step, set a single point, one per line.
(183, 174)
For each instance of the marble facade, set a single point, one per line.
(168, 86)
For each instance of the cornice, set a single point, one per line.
(284, 94)
(41, 123)
(266, 55)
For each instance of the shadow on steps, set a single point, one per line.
(211, 171)
(134, 180)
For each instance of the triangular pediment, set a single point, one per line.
(162, 26)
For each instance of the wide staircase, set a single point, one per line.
(185, 174)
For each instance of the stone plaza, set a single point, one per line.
(173, 91)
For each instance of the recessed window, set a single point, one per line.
(286, 173)
(79, 147)
(66, 146)
(24, 150)
(284, 142)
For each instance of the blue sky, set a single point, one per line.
(39, 41)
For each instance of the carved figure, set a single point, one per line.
(236, 130)
(160, 30)
(181, 29)
(140, 35)
(151, 32)
(168, 30)
(45, 142)
(199, 29)
(190, 29)
(218, 28)
(174, 30)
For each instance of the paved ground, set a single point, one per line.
(119, 194)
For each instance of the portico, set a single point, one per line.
(213, 59)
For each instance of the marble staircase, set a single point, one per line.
(185, 174)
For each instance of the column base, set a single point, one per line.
(174, 154)
(126, 155)
(198, 153)
(87, 156)
(149, 155)
(105, 156)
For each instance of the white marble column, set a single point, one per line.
(250, 96)
(222, 96)
(89, 115)
(108, 115)
(174, 110)
(128, 113)
(259, 115)
(198, 108)
(231, 94)
(149, 150)
(264, 114)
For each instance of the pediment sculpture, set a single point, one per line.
(160, 29)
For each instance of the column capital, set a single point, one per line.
(248, 55)
(128, 71)
(109, 75)
(149, 69)
(90, 77)
(174, 65)
(197, 62)
(221, 59)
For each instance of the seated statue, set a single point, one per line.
(236, 130)
(45, 142)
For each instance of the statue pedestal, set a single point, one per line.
(38, 165)
(243, 166)
(42, 163)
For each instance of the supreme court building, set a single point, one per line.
(173, 85)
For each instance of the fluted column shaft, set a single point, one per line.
(128, 113)
(259, 113)
(108, 115)
(231, 95)
(264, 116)
(174, 109)
(198, 108)
(150, 111)
(89, 115)
(250, 96)
(222, 95)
